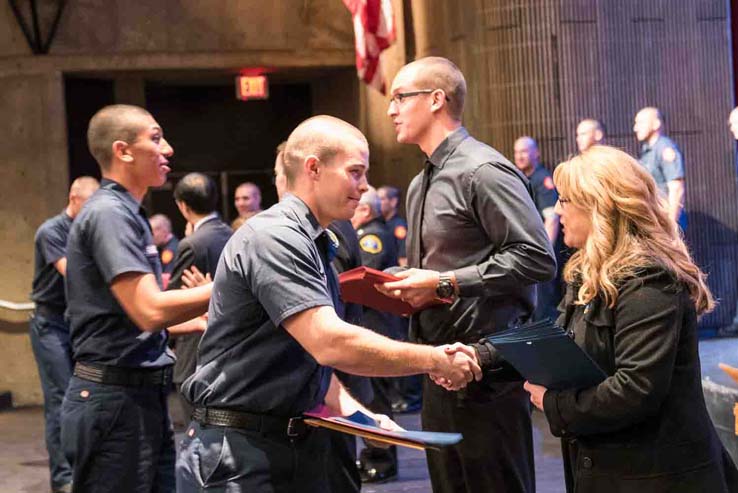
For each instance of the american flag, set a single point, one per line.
(374, 29)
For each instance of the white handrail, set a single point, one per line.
(9, 305)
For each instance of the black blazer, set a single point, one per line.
(646, 427)
(201, 249)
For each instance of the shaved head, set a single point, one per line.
(81, 190)
(436, 72)
(321, 136)
(648, 124)
(589, 132)
(83, 187)
(526, 154)
(115, 122)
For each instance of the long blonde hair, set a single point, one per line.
(631, 228)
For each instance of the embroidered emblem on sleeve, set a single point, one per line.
(371, 244)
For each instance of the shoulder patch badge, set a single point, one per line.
(400, 232)
(166, 256)
(669, 154)
(548, 183)
(371, 244)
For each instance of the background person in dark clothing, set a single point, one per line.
(390, 202)
(408, 390)
(196, 197)
(49, 331)
(115, 424)
(528, 160)
(475, 236)
(166, 243)
(634, 310)
(378, 251)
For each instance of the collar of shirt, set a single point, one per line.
(205, 219)
(646, 147)
(124, 195)
(304, 215)
(447, 147)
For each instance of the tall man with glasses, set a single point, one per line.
(475, 236)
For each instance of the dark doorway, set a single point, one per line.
(233, 141)
(83, 97)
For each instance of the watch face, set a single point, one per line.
(445, 289)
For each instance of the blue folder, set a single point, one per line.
(545, 354)
(360, 424)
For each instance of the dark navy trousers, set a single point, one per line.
(118, 439)
(224, 460)
(51, 348)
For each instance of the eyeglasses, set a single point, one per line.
(400, 96)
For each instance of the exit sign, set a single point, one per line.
(252, 87)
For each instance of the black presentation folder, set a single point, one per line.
(544, 354)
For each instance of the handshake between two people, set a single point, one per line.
(458, 363)
(457, 366)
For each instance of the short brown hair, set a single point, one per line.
(111, 123)
(435, 72)
(322, 136)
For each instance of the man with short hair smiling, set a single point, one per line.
(247, 200)
(115, 424)
(476, 237)
(275, 332)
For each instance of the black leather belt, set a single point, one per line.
(130, 377)
(291, 427)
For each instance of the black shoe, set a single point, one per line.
(405, 407)
(376, 473)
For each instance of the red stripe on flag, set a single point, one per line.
(374, 31)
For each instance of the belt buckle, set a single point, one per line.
(295, 427)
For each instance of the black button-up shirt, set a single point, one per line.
(50, 245)
(479, 221)
(110, 237)
(273, 267)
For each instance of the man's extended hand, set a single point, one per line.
(416, 286)
(192, 277)
(457, 366)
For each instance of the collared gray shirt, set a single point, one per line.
(480, 222)
(270, 269)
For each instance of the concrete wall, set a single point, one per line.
(124, 41)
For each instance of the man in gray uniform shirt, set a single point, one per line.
(474, 236)
(275, 332)
(663, 159)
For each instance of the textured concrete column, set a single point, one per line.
(33, 185)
